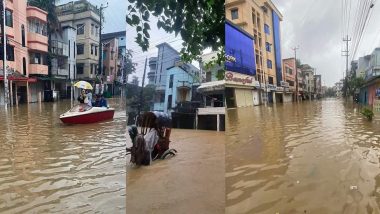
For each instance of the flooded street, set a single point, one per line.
(49, 167)
(314, 157)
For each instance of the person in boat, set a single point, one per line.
(82, 97)
(97, 100)
(89, 97)
(102, 101)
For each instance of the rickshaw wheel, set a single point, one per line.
(171, 152)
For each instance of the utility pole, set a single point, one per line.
(4, 41)
(100, 66)
(142, 89)
(295, 63)
(346, 55)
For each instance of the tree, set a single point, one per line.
(129, 67)
(199, 22)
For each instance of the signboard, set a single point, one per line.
(233, 78)
(240, 54)
(272, 87)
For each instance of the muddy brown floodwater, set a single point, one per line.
(312, 157)
(49, 167)
(190, 182)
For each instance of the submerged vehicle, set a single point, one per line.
(83, 114)
(153, 140)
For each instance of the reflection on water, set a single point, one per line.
(48, 167)
(311, 157)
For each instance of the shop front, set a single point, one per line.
(241, 90)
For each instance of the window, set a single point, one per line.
(80, 68)
(23, 66)
(97, 30)
(266, 29)
(171, 81)
(170, 98)
(270, 80)
(96, 50)
(289, 71)
(268, 46)
(69, 71)
(69, 47)
(10, 53)
(234, 13)
(92, 49)
(269, 63)
(112, 53)
(8, 18)
(92, 29)
(80, 49)
(23, 35)
(253, 18)
(92, 68)
(80, 29)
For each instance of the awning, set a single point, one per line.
(20, 79)
(212, 86)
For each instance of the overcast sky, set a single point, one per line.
(316, 27)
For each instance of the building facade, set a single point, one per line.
(85, 18)
(152, 70)
(290, 79)
(261, 19)
(63, 61)
(308, 81)
(27, 48)
(167, 57)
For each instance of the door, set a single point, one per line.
(256, 99)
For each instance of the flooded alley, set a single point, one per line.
(311, 157)
(49, 167)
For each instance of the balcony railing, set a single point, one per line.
(59, 48)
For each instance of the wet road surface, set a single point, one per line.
(314, 157)
(191, 182)
(49, 167)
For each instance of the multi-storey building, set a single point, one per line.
(63, 61)
(289, 74)
(318, 86)
(261, 19)
(152, 70)
(308, 81)
(110, 63)
(167, 57)
(370, 93)
(120, 72)
(27, 47)
(85, 18)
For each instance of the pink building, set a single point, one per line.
(27, 48)
(110, 62)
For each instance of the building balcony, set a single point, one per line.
(59, 48)
(184, 86)
(37, 42)
(9, 4)
(60, 71)
(372, 72)
(38, 69)
(35, 12)
(10, 32)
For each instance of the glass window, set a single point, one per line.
(268, 46)
(92, 29)
(234, 13)
(80, 49)
(92, 49)
(80, 29)
(8, 18)
(269, 63)
(80, 68)
(266, 29)
(171, 81)
(170, 98)
(23, 35)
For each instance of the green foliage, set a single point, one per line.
(368, 113)
(199, 22)
(129, 67)
(351, 84)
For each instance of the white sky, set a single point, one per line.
(316, 27)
